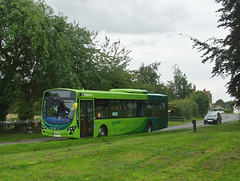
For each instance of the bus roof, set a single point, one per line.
(129, 91)
(131, 94)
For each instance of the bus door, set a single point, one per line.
(86, 118)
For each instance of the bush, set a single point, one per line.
(187, 108)
(25, 112)
(202, 101)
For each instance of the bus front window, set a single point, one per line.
(58, 106)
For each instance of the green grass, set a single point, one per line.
(213, 153)
(9, 137)
(173, 123)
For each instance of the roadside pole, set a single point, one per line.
(239, 113)
(194, 126)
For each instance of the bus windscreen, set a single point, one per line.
(58, 106)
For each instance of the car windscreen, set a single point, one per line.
(211, 115)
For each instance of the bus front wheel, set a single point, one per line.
(102, 131)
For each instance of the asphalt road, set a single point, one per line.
(225, 118)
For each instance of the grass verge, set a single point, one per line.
(213, 153)
(173, 123)
(9, 137)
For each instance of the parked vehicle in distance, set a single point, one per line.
(213, 117)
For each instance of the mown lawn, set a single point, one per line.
(173, 123)
(213, 153)
(9, 137)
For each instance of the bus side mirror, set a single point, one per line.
(75, 105)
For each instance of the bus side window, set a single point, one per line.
(128, 109)
(139, 108)
(147, 108)
(114, 109)
(101, 108)
(155, 109)
(164, 107)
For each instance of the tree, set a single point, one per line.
(38, 51)
(148, 78)
(110, 68)
(186, 108)
(220, 102)
(225, 53)
(202, 101)
(180, 86)
(23, 37)
(146, 74)
(149, 74)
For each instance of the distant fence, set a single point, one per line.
(14, 126)
(177, 118)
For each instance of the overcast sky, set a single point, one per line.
(155, 30)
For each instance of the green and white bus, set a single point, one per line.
(84, 113)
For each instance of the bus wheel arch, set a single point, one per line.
(103, 131)
(149, 127)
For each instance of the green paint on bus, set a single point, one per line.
(84, 113)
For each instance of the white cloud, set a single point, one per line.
(151, 30)
(124, 16)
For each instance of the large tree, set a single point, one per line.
(147, 77)
(23, 37)
(225, 53)
(149, 74)
(202, 101)
(180, 86)
(109, 67)
(38, 51)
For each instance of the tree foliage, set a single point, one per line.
(186, 108)
(40, 50)
(195, 106)
(148, 74)
(225, 53)
(23, 36)
(219, 102)
(111, 66)
(147, 77)
(202, 101)
(180, 86)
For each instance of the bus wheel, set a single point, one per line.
(149, 127)
(102, 131)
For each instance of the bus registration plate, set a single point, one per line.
(57, 135)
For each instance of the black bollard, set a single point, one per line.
(194, 126)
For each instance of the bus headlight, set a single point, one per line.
(71, 129)
(43, 128)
